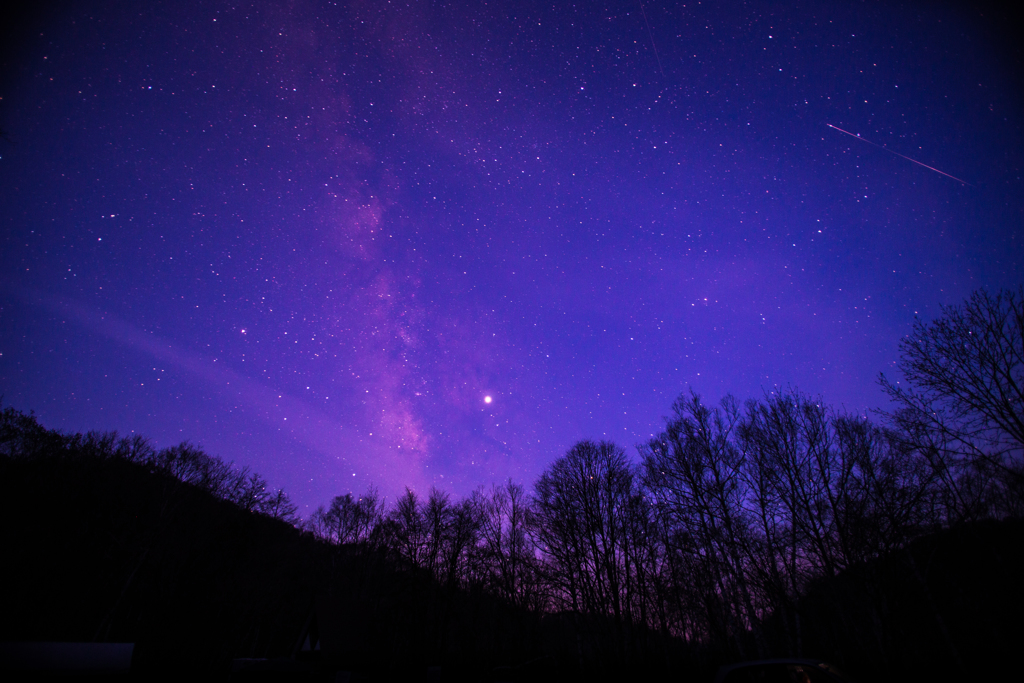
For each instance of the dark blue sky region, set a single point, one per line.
(314, 237)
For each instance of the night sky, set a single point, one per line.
(435, 244)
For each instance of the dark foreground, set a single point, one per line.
(101, 550)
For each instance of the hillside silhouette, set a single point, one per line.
(779, 528)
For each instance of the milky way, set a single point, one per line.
(315, 239)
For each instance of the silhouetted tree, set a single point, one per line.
(461, 539)
(961, 402)
(506, 551)
(349, 519)
(406, 529)
(585, 524)
(693, 470)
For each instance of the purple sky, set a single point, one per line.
(312, 240)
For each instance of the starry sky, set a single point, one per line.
(314, 238)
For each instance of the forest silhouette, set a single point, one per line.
(891, 546)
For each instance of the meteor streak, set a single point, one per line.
(930, 168)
